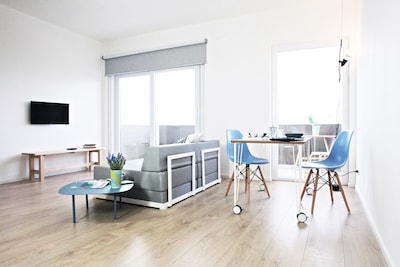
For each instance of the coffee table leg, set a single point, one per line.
(73, 209)
(87, 202)
(115, 206)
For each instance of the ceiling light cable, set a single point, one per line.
(343, 61)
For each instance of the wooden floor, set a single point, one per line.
(37, 230)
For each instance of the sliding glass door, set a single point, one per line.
(306, 91)
(156, 108)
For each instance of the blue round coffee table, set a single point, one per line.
(89, 187)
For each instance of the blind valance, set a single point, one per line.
(181, 56)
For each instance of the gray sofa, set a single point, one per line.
(169, 173)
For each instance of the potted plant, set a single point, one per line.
(116, 163)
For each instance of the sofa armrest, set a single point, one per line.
(203, 167)
(155, 157)
(170, 158)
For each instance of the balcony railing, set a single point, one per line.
(317, 144)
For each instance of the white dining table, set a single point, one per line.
(237, 152)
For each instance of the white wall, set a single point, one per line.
(44, 63)
(378, 108)
(237, 82)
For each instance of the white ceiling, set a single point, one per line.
(113, 19)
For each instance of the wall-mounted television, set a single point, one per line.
(49, 113)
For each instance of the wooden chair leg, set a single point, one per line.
(263, 180)
(315, 191)
(330, 185)
(248, 182)
(246, 170)
(230, 183)
(306, 184)
(342, 191)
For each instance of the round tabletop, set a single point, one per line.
(88, 187)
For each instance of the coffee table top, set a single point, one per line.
(79, 188)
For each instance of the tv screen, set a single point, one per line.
(49, 113)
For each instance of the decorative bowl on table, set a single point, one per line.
(294, 135)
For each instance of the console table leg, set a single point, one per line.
(41, 168)
(73, 209)
(31, 167)
(87, 202)
(91, 160)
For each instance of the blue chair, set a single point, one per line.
(336, 159)
(245, 158)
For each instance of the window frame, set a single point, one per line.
(345, 87)
(114, 131)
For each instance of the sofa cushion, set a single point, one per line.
(194, 138)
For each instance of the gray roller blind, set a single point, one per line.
(187, 55)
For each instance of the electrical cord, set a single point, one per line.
(335, 186)
(356, 171)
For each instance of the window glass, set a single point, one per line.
(308, 85)
(134, 115)
(175, 104)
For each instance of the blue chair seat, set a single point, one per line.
(324, 164)
(255, 160)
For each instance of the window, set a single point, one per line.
(156, 108)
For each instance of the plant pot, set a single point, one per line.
(116, 177)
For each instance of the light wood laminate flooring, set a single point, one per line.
(37, 229)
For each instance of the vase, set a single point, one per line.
(115, 176)
(315, 129)
(273, 131)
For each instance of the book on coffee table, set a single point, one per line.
(100, 183)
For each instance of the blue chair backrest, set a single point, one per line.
(340, 150)
(235, 134)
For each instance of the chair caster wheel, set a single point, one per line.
(237, 209)
(309, 191)
(301, 217)
(261, 187)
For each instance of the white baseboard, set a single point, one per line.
(376, 232)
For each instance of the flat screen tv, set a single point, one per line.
(49, 113)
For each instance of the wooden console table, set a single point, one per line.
(40, 156)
